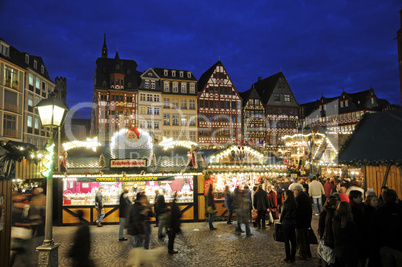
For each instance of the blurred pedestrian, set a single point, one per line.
(242, 212)
(125, 203)
(136, 221)
(148, 230)
(100, 212)
(81, 248)
(261, 204)
(211, 203)
(228, 203)
(174, 227)
(160, 209)
(316, 191)
(304, 213)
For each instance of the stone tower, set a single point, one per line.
(61, 89)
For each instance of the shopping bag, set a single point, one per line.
(211, 210)
(313, 238)
(278, 233)
(326, 253)
(21, 233)
(271, 218)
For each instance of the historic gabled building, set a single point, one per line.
(114, 95)
(150, 104)
(281, 107)
(253, 126)
(341, 114)
(179, 96)
(24, 81)
(219, 108)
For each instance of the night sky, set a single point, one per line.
(322, 47)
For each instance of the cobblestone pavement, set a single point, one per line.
(198, 246)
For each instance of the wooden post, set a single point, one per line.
(5, 234)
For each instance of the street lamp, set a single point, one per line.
(51, 112)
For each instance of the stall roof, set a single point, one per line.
(376, 140)
(10, 152)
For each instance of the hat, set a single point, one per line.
(298, 187)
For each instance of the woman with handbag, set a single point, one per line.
(288, 221)
(211, 207)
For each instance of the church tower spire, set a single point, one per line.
(104, 48)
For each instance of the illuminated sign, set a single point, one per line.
(128, 163)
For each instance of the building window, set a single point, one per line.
(192, 88)
(166, 86)
(26, 59)
(183, 88)
(189, 75)
(181, 74)
(149, 110)
(166, 102)
(152, 84)
(346, 103)
(129, 99)
(156, 111)
(142, 124)
(31, 82)
(192, 103)
(149, 97)
(176, 135)
(277, 97)
(175, 103)
(256, 102)
(42, 69)
(184, 103)
(192, 121)
(287, 98)
(142, 97)
(36, 123)
(175, 88)
(142, 110)
(193, 136)
(341, 104)
(173, 73)
(372, 101)
(149, 124)
(156, 125)
(10, 125)
(156, 98)
(10, 101)
(29, 121)
(10, 77)
(183, 120)
(35, 64)
(146, 84)
(175, 118)
(166, 134)
(166, 119)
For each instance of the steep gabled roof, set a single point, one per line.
(160, 72)
(376, 140)
(206, 75)
(266, 86)
(250, 93)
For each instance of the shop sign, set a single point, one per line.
(125, 179)
(128, 163)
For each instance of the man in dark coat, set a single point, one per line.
(304, 213)
(160, 209)
(356, 203)
(136, 221)
(100, 212)
(80, 250)
(174, 225)
(261, 203)
(125, 203)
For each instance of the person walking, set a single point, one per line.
(155, 199)
(174, 227)
(242, 213)
(160, 209)
(316, 191)
(148, 214)
(229, 203)
(304, 213)
(81, 248)
(211, 203)
(124, 204)
(136, 221)
(261, 203)
(100, 212)
(288, 221)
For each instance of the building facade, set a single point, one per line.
(179, 109)
(24, 82)
(281, 108)
(254, 122)
(219, 108)
(114, 95)
(150, 105)
(339, 115)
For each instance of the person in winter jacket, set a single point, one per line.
(288, 221)
(211, 203)
(261, 204)
(125, 203)
(229, 203)
(136, 221)
(303, 222)
(174, 227)
(316, 190)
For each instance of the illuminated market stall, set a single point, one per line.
(238, 166)
(128, 161)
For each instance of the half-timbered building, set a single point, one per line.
(219, 108)
(281, 107)
(114, 95)
(253, 126)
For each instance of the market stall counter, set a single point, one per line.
(78, 193)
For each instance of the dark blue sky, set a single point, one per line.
(322, 47)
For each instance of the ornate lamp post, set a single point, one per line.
(51, 112)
